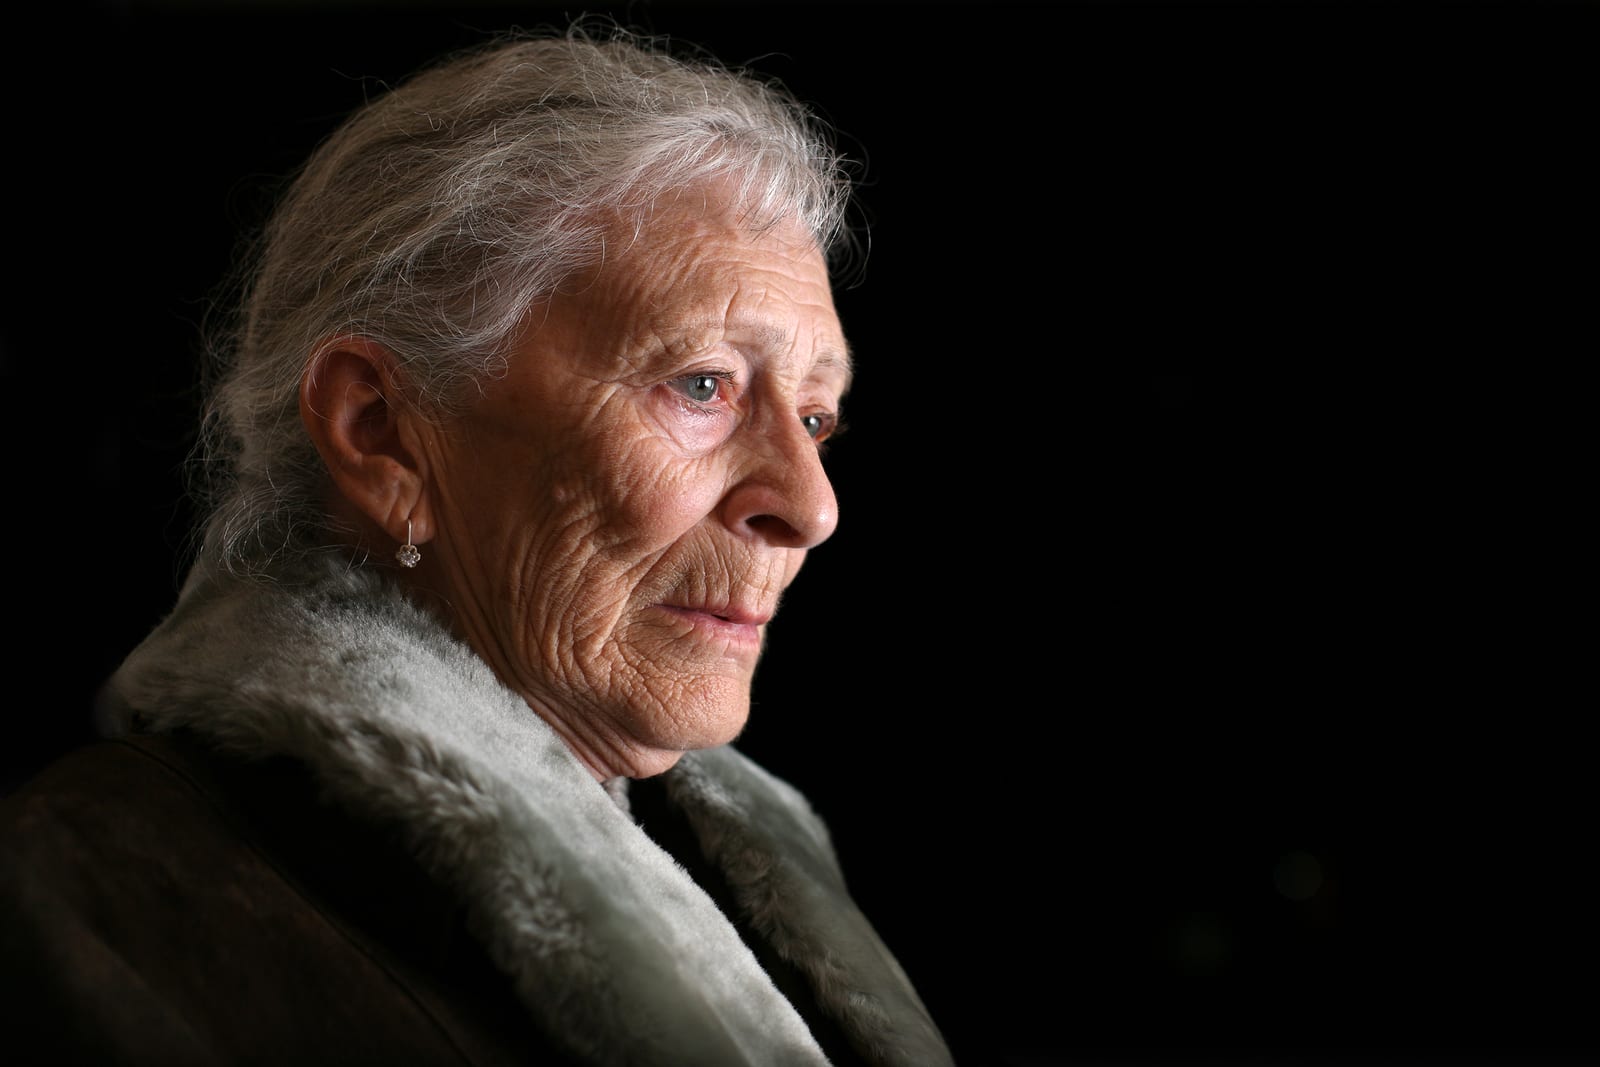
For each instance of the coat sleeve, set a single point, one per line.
(73, 986)
(147, 916)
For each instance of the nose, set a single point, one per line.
(782, 497)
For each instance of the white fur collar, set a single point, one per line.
(609, 941)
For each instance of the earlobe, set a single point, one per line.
(353, 407)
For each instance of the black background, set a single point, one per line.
(1211, 502)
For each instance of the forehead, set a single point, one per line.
(691, 273)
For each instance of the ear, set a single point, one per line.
(352, 405)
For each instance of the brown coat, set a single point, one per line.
(165, 907)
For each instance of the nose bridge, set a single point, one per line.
(783, 494)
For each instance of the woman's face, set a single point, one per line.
(615, 520)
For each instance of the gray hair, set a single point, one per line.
(438, 212)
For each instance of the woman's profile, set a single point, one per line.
(511, 450)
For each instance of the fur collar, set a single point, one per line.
(609, 942)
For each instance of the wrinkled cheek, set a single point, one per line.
(659, 513)
(564, 581)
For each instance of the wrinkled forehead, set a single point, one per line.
(693, 271)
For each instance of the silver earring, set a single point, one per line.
(407, 553)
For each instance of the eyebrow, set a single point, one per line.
(829, 358)
(839, 360)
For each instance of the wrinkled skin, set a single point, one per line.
(614, 522)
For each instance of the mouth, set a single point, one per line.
(737, 627)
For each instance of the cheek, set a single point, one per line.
(618, 539)
(663, 500)
(610, 495)
(629, 493)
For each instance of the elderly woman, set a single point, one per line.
(515, 447)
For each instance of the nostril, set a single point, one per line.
(774, 529)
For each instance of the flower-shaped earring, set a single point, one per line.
(407, 554)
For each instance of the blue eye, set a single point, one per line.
(702, 388)
(820, 426)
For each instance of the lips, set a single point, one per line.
(723, 597)
(735, 615)
(736, 625)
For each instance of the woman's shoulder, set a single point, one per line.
(165, 902)
(79, 806)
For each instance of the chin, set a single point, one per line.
(671, 745)
(717, 717)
